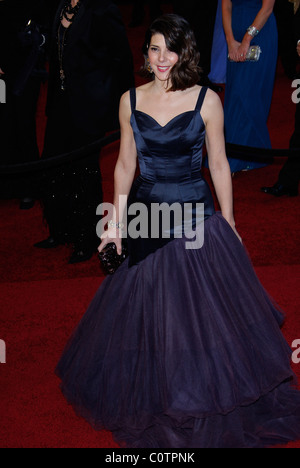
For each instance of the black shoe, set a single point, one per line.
(49, 243)
(80, 255)
(278, 190)
(27, 203)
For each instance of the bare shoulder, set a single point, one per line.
(125, 102)
(212, 98)
(212, 106)
(125, 99)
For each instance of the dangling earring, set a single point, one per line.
(149, 68)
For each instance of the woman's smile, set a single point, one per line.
(163, 69)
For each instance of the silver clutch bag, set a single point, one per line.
(253, 54)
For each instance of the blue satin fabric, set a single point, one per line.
(170, 159)
(249, 85)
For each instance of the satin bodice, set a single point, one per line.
(170, 159)
(170, 154)
(172, 151)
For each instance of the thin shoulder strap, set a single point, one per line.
(201, 98)
(133, 98)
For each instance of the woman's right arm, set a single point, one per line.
(233, 45)
(124, 173)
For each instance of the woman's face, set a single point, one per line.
(161, 59)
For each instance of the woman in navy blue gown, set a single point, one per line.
(249, 85)
(181, 347)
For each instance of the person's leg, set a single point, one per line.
(72, 191)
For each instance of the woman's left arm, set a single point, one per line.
(213, 116)
(260, 20)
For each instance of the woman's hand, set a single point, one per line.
(243, 48)
(233, 51)
(111, 235)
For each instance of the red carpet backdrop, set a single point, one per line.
(34, 284)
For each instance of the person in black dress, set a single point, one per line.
(90, 67)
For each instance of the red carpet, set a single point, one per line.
(43, 298)
(37, 318)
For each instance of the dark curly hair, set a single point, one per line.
(180, 39)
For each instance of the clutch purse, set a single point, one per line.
(253, 54)
(109, 258)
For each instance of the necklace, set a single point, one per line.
(61, 44)
(68, 12)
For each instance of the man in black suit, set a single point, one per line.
(289, 176)
(91, 66)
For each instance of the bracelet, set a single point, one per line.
(111, 224)
(252, 31)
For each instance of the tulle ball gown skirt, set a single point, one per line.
(184, 350)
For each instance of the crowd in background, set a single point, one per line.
(81, 49)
